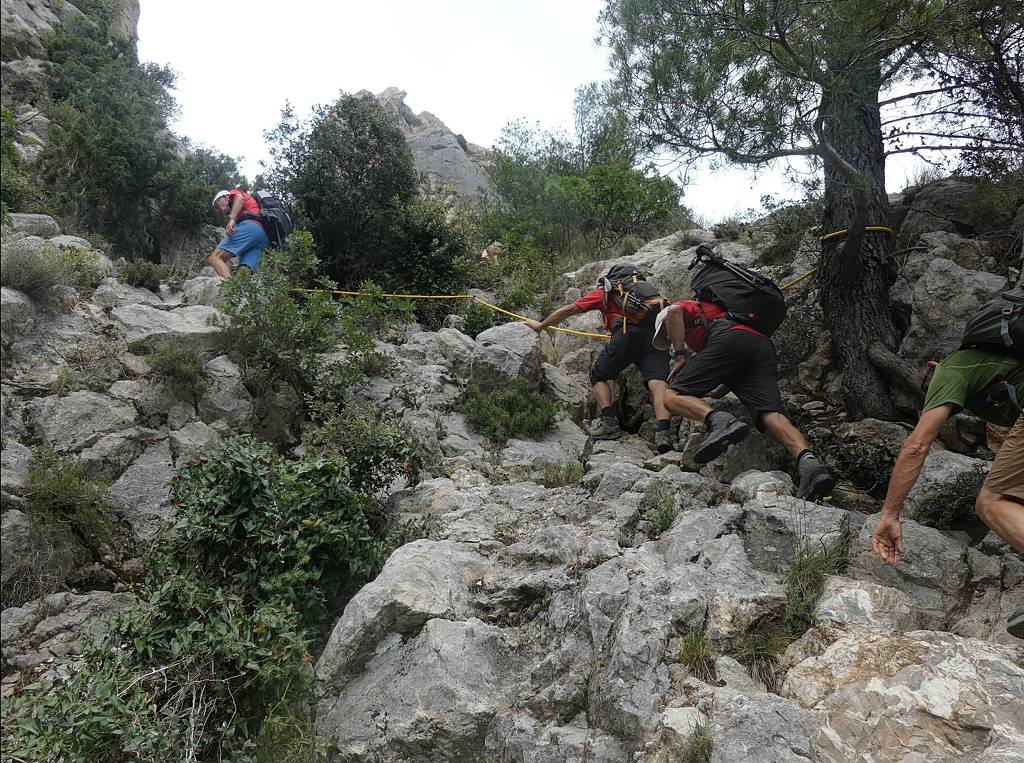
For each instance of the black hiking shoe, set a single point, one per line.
(664, 441)
(606, 429)
(1015, 624)
(724, 430)
(815, 479)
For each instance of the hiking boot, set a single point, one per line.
(605, 429)
(664, 440)
(1015, 624)
(815, 479)
(724, 430)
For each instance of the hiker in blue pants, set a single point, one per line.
(246, 238)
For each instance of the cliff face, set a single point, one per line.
(443, 156)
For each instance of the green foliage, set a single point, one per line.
(786, 224)
(180, 368)
(796, 338)
(560, 473)
(17, 191)
(866, 464)
(698, 655)
(63, 497)
(951, 505)
(698, 746)
(35, 272)
(110, 163)
(477, 318)
(275, 332)
(659, 508)
(511, 410)
(213, 663)
(143, 274)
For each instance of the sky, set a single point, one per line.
(475, 64)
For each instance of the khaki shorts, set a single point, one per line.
(1007, 473)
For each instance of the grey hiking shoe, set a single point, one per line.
(724, 430)
(605, 429)
(1015, 624)
(815, 479)
(664, 440)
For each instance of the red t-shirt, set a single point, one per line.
(695, 338)
(595, 300)
(249, 205)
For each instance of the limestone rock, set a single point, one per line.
(430, 698)
(16, 461)
(953, 204)
(78, 419)
(225, 396)
(940, 469)
(201, 290)
(922, 695)
(944, 298)
(43, 226)
(933, 570)
(775, 528)
(446, 347)
(145, 326)
(55, 627)
(563, 445)
(760, 728)
(515, 737)
(141, 493)
(571, 394)
(505, 352)
(72, 243)
(17, 314)
(111, 454)
(112, 293)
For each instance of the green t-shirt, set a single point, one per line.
(963, 377)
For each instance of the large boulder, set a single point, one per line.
(944, 298)
(760, 728)
(141, 493)
(79, 419)
(922, 695)
(145, 326)
(505, 352)
(112, 293)
(225, 396)
(17, 314)
(43, 226)
(957, 205)
(428, 698)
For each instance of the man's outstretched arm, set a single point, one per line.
(887, 540)
(559, 315)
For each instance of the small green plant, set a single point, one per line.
(659, 508)
(35, 271)
(476, 319)
(760, 650)
(143, 274)
(698, 746)
(513, 409)
(61, 496)
(180, 368)
(65, 382)
(951, 506)
(697, 654)
(560, 473)
(865, 464)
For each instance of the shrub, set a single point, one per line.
(477, 319)
(213, 661)
(61, 495)
(699, 746)
(865, 464)
(951, 505)
(560, 473)
(143, 274)
(513, 409)
(180, 368)
(659, 508)
(697, 654)
(276, 332)
(35, 271)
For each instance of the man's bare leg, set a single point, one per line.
(602, 394)
(781, 429)
(658, 393)
(685, 405)
(1004, 515)
(219, 262)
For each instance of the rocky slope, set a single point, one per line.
(542, 619)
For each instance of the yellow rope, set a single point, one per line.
(479, 301)
(799, 279)
(868, 228)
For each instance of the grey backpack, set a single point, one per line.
(998, 324)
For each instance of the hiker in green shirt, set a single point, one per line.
(990, 385)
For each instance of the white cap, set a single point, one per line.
(216, 196)
(661, 339)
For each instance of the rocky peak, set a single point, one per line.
(446, 158)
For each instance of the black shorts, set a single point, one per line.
(742, 361)
(630, 346)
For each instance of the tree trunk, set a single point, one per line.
(857, 271)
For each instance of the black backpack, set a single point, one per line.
(998, 324)
(273, 216)
(626, 287)
(747, 296)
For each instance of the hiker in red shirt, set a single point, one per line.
(246, 237)
(714, 354)
(630, 343)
